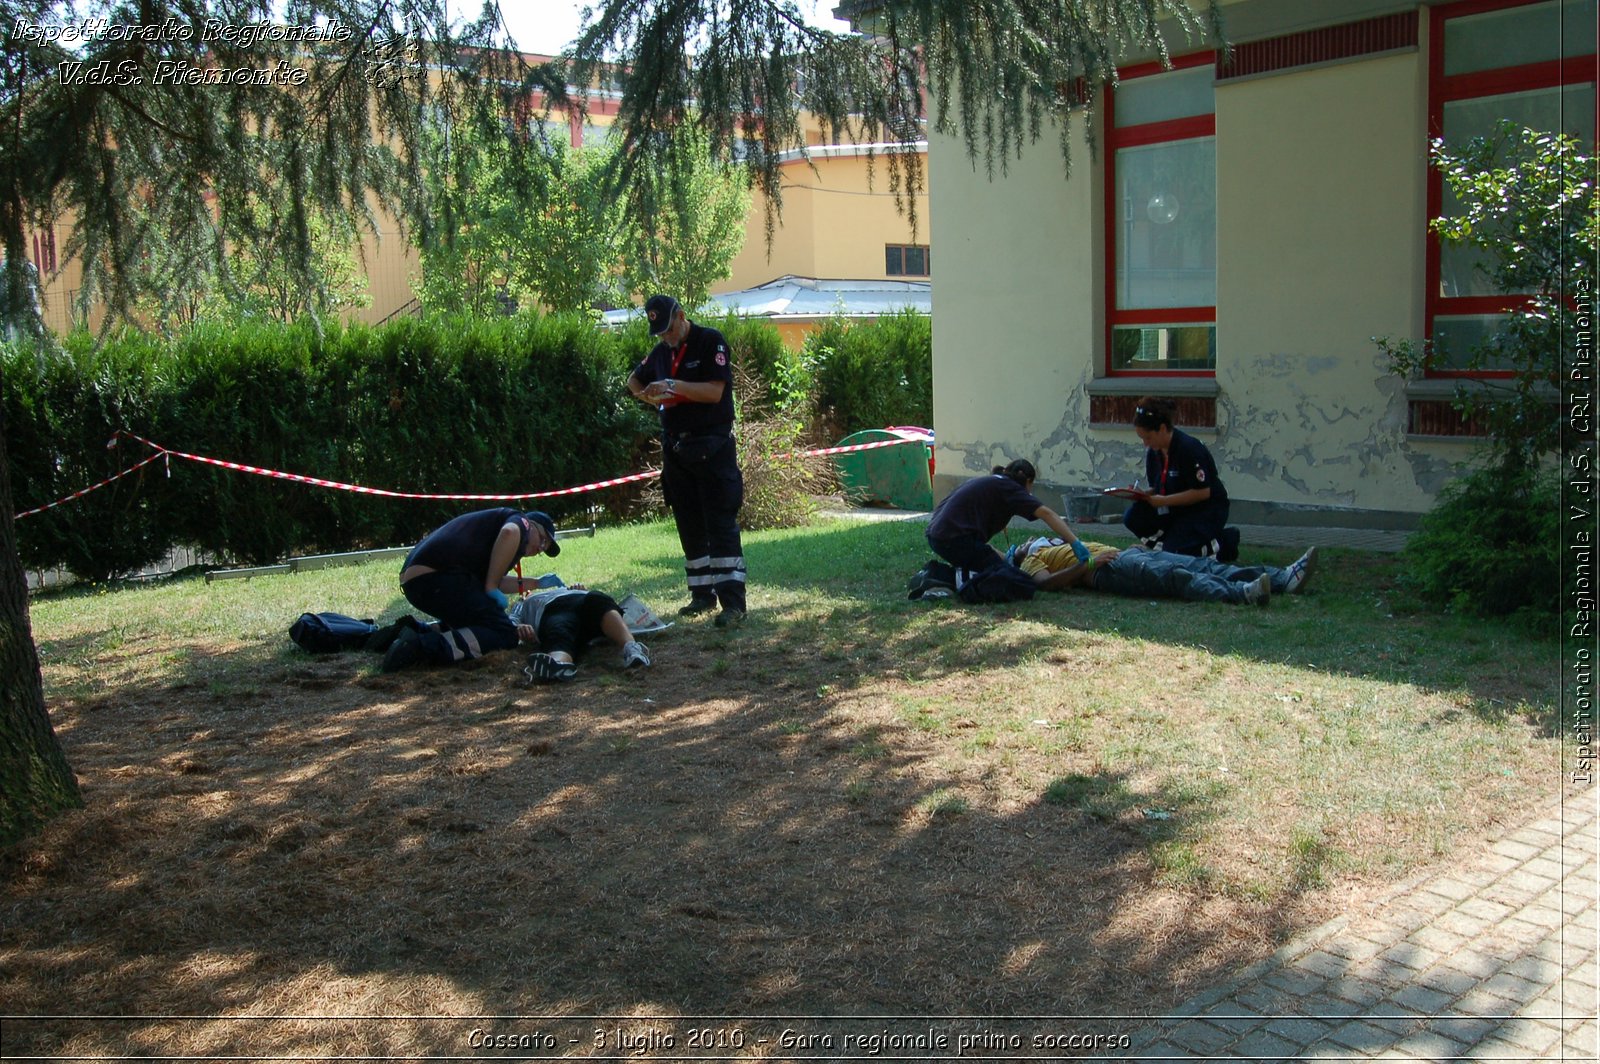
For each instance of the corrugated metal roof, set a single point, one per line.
(810, 299)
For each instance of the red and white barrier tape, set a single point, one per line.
(91, 487)
(818, 452)
(240, 467)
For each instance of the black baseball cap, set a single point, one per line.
(658, 310)
(542, 519)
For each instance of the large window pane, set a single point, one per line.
(1157, 347)
(1572, 110)
(1457, 337)
(1518, 36)
(1166, 218)
(1163, 97)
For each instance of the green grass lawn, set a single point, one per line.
(1079, 805)
(1257, 750)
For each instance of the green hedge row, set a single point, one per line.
(421, 405)
(443, 404)
(872, 376)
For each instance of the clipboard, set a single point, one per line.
(1127, 493)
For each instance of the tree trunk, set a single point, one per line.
(35, 782)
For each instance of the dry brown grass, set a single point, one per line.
(763, 824)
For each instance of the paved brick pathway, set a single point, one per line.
(1494, 961)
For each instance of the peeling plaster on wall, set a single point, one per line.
(1392, 387)
(1259, 427)
(1115, 463)
(1286, 364)
(980, 457)
(1069, 431)
(1307, 409)
(1328, 452)
(1302, 489)
(1060, 452)
(1308, 457)
(1430, 473)
(1385, 441)
(1277, 364)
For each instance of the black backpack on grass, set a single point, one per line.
(1003, 583)
(329, 633)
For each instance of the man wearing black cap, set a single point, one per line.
(454, 575)
(688, 379)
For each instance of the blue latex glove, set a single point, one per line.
(1080, 551)
(499, 598)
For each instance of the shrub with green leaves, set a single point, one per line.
(62, 406)
(781, 376)
(1490, 547)
(873, 375)
(1527, 207)
(436, 405)
(1525, 204)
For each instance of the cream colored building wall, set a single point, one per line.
(836, 221)
(1017, 280)
(1321, 213)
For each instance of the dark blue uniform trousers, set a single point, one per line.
(474, 623)
(701, 481)
(1182, 530)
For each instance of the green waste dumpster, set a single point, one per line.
(895, 476)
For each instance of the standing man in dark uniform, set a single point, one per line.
(688, 379)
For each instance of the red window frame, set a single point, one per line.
(44, 252)
(1442, 89)
(1136, 136)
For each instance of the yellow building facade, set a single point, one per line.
(840, 220)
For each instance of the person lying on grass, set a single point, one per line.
(1141, 573)
(562, 622)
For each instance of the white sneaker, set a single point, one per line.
(1300, 570)
(635, 653)
(1258, 592)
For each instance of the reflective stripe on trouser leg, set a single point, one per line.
(729, 574)
(464, 643)
(697, 571)
(473, 623)
(451, 645)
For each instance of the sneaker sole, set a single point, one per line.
(544, 668)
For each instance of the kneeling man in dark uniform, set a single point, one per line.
(454, 575)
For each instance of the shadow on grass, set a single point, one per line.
(718, 836)
(446, 843)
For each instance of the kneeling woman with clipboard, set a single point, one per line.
(1185, 509)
